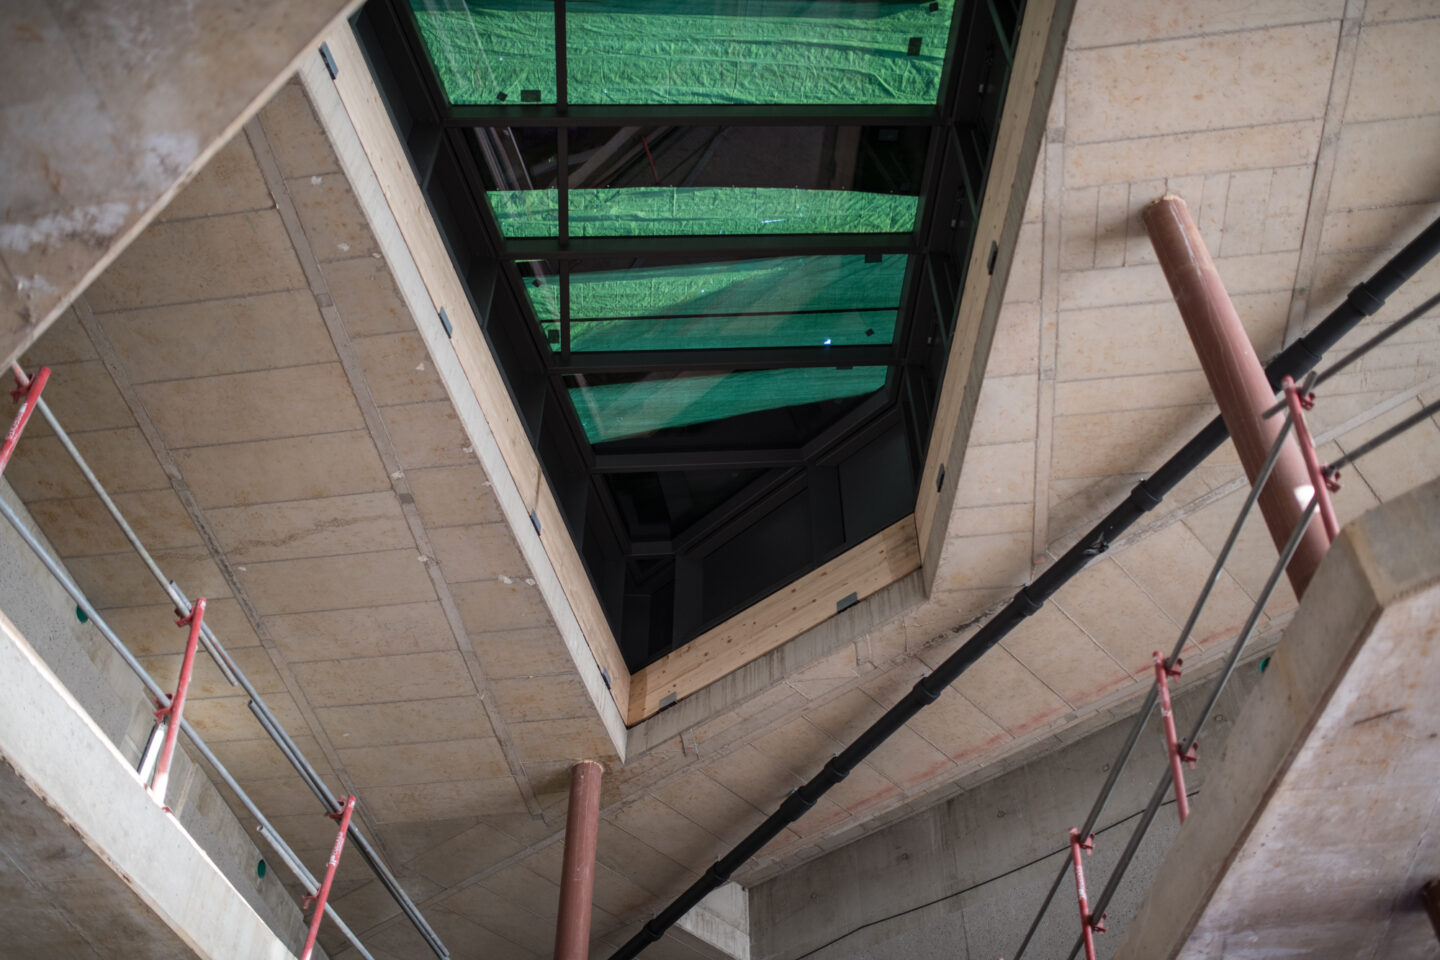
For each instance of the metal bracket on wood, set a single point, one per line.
(331, 67)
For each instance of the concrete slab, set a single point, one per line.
(76, 812)
(1307, 842)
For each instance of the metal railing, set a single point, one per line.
(334, 806)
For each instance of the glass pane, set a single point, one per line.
(756, 51)
(490, 51)
(778, 302)
(708, 181)
(518, 165)
(614, 409)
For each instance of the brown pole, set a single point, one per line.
(1236, 378)
(577, 877)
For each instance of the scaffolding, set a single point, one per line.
(170, 719)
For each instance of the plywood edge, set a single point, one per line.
(476, 388)
(1017, 146)
(863, 570)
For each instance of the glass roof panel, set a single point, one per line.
(702, 211)
(653, 402)
(756, 51)
(706, 181)
(830, 300)
(490, 51)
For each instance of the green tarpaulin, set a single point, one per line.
(702, 211)
(690, 51)
(617, 410)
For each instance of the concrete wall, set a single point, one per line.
(964, 879)
(118, 704)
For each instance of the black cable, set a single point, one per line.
(1293, 361)
(983, 883)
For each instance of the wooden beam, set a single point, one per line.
(366, 111)
(1017, 146)
(873, 565)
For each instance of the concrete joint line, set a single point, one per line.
(1347, 46)
(390, 460)
(197, 516)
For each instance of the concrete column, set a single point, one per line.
(1236, 378)
(577, 876)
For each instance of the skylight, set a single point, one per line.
(717, 247)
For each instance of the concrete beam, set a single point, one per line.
(1320, 825)
(107, 109)
(80, 826)
(719, 925)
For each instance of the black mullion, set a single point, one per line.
(562, 69)
(727, 459)
(564, 313)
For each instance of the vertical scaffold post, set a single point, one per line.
(1319, 479)
(172, 713)
(27, 392)
(1089, 926)
(319, 898)
(1178, 759)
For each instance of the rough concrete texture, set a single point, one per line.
(965, 879)
(107, 108)
(117, 704)
(1323, 823)
(121, 876)
(721, 922)
(255, 384)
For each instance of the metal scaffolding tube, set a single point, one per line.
(1152, 696)
(1161, 786)
(182, 604)
(156, 691)
(257, 702)
(307, 881)
(1295, 359)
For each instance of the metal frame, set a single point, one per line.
(911, 355)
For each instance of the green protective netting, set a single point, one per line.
(779, 302)
(702, 211)
(825, 329)
(774, 285)
(691, 51)
(491, 52)
(618, 410)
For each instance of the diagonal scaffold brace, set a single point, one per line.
(27, 391)
(1179, 757)
(1089, 923)
(323, 894)
(171, 714)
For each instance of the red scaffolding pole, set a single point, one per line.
(1178, 759)
(27, 391)
(1319, 478)
(323, 895)
(1089, 926)
(172, 713)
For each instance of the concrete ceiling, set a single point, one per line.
(248, 380)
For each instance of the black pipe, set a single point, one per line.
(1294, 361)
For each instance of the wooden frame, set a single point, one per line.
(883, 559)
